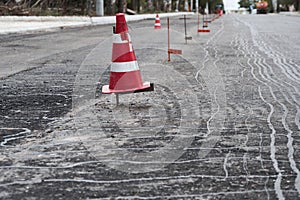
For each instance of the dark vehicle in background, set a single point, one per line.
(262, 7)
(219, 7)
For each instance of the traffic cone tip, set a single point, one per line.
(121, 25)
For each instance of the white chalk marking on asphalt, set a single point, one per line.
(225, 165)
(19, 135)
(213, 115)
(277, 183)
(286, 127)
(133, 162)
(166, 178)
(289, 131)
(278, 190)
(262, 62)
(266, 77)
(245, 166)
(291, 148)
(216, 89)
(201, 195)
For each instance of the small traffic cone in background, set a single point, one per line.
(157, 22)
(125, 75)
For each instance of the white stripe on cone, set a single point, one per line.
(124, 66)
(118, 40)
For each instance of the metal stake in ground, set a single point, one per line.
(198, 23)
(171, 51)
(169, 57)
(205, 26)
(208, 20)
(185, 29)
(117, 99)
(185, 33)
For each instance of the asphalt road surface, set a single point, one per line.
(222, 123)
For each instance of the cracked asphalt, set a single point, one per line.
(222, 123)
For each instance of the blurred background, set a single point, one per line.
(110, 7)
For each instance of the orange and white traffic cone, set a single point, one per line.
(124, 71)
(157, 24)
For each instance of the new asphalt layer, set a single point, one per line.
(222, 123)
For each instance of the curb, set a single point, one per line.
(295, 14)
(24, 24)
